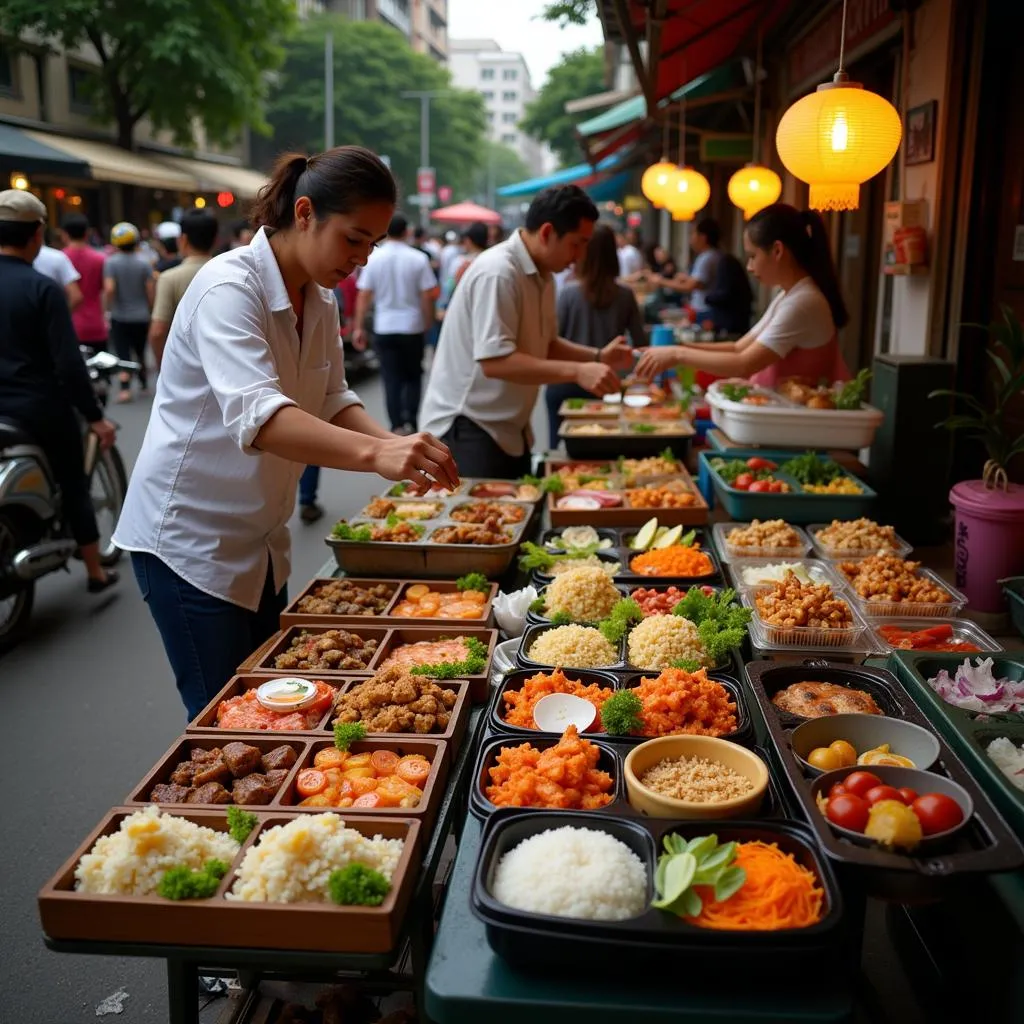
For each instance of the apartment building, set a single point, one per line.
(503, 79)
(423, 22)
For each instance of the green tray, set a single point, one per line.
(964, 731)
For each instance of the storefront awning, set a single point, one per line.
(211, 177)
(20, 152)
(107, 162)
(579, 174)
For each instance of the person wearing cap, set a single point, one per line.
(128, 287)
(44, 384)
(198, 236)
(167, 236)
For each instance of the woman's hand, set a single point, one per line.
(418, 458)
(654, 361)
(618, 354)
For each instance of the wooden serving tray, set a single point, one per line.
(70, 915)
(291, 616)
(435, 751)
(262, 660)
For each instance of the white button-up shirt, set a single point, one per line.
(503, 304)
(201, 498)
(398, 275)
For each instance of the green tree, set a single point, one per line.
(499, 165)
(580, 73)
(569, 12)
(373, 65)
(177, 62)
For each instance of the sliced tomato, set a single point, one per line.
(413, 769)
(310, 781)
(758, 463)
(330, 757)
(367, 800)
(384, 762)
(760, 487)
(743, 481)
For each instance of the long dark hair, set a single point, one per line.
(599, 268)
(803, 234)
(336, 181)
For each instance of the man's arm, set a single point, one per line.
(74, 295)
(355, 417)
(427, 299)
(157, 338)
(150, 290)
(163, 314)
(363, 301)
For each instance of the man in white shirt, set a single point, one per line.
(449, 254)
(400, 283)
(631, 260)
(55, 264)
(499, 341)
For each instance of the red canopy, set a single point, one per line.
(466, 213)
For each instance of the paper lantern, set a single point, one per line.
(656, 181)
(836, 138)
(688, 193)
(753, 187)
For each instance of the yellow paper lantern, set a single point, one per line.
(836, 138)
(656, 181)
(688, 193)
(753, 187)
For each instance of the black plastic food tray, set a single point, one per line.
(985, 845)
(515, 679)
(655, 938)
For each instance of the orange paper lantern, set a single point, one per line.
(688, 193)
(753, 187)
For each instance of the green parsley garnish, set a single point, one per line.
(240, 824)
(474, 663)
(622, 713)
(346, 733)
(345, 531)
(473, 581)
(356, 885)
(623, 615)
(182, 883)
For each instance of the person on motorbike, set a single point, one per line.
(252, 388)
(44, 382)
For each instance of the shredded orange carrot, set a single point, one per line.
(677, 560)
(519, 704)
(677, 701)
(778, 893)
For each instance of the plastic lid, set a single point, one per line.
(988, 503)
(286, 694)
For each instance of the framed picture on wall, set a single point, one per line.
(920, 137)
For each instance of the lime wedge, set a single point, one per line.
(669, 538)
(645, 535)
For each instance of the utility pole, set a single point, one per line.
(424, 96)
(329, 90)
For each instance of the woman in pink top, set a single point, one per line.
(87, 316)
(798, 334)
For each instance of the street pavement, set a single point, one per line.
(87, 705)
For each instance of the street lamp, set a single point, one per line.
(424, 96)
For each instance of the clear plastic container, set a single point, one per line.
(964, 631)
(728, 553)
(883, 609)
(808, 638)
(843, 554)
(819, 572)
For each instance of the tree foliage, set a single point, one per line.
(177, 62)
(499, 165)
(373, 65)
(569, 12)
(580, 73)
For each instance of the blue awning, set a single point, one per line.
(20, 152)
(612, 189)
(576, 175)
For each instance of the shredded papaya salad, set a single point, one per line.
(778, 893)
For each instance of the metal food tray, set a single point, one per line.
(984, 845)
(910, 609)
(728, 553)
(68, 914)
(967, 732)
(627, 440)
(291, 616)
(902, 549)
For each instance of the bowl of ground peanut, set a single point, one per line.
(695, 777)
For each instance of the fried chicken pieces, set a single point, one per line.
(395, 701)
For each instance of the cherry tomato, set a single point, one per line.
(859, 783)
(847, 811)
(758, 463)
(760, 486)
(743, 481)
(908, 795)
(776, 486)
(877, 793)
(937, 813)
(845, 752)
(837, 790)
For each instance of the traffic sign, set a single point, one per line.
(426, 181)
(444, 193)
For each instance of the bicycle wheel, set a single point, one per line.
(108, 485)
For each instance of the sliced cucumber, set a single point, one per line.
(669, 537)
(645, 535)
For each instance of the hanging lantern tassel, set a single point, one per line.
(752, 188)
(689, 193)
(837, 138)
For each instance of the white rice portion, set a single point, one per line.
(1009, 759)
(659, 640)
(132, 860)
(292, 863)
(573, 872)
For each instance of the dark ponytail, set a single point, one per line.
(336, 181)
(804, 235)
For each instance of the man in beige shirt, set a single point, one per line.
(198, 235)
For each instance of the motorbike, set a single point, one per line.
(34, 538)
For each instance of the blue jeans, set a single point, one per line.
(309, 482)
(205, 638)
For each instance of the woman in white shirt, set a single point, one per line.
(797, 336)
(252, 388)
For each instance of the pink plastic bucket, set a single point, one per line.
(989, 541)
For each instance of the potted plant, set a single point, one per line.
(989, 534)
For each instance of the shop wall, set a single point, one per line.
(25, 103)
(915, 300)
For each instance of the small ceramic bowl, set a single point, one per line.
(732, 755)
(866, 732)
